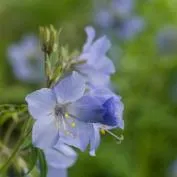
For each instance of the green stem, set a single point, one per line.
(16, 149)
(46, 70)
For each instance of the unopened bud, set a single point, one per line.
(49, 39)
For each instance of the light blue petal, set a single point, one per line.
(78, 135)
(103, 94)
(106, 66)
(57, 172)
(96, 51)
(99, 48)
(95, 140)
(41, 103)
(70, 88)
(119, 114)
(87, 109)
(45, 134)
(93, 76)
(62, 156)
(90, 37)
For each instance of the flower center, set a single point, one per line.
(63, 119)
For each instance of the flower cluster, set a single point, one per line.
(26, 60)
(73, 111)
(118, 16)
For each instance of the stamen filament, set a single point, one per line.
(115, 136)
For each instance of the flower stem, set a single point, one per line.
(16, 149)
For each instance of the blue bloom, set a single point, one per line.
(67, 114)
(118, 17)
(98, 66)
(26, 60)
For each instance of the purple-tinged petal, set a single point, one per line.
(54, 172)
(45, 134)
(90, 37)
(69, 89)
(94, 140)
(62, 156)
(77, 134)
(41, 103)
(87, 109)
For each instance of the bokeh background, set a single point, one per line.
(146, 79)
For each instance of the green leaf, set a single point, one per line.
(43, 164)
(34, 158)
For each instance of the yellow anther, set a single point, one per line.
(103, 132)
(73, 124)
(66, 115)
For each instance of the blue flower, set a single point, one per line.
(26, 60)
(98, 66)
(118, 16)
(67, 114)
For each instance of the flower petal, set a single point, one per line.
(41, 103)
(94, 140)
(90, 37)
(106, 66)
(93, 76)
(54, 172)
(70, 88)
(87, 109)
(100, 47)
(62, 156)
(77, 135)
(45, 134)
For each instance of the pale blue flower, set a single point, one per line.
(106, 13)
(98, 66)
(118, 17)
(26, 60)
(68, 114)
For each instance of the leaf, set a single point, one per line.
(43, 164)
(34, 158)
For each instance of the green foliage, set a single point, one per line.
(144, 79)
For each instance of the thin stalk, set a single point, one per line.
(16, 149)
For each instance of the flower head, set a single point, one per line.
(26, 60)
(67, 114)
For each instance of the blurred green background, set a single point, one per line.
(145, 80)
